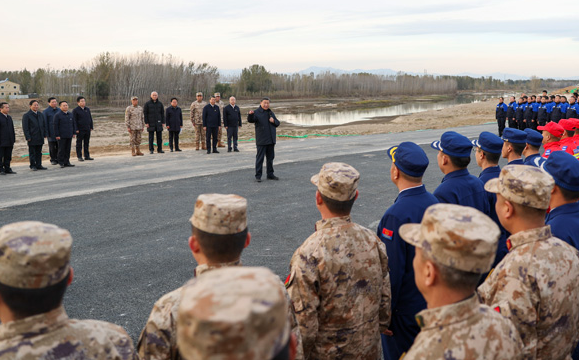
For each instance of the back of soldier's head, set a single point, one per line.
(234, 313)
(34, 267)
(337, 184)
(220, 226)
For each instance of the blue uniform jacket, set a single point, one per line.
(462, 188)
(486, 175)
(572, 111)
(515, 162)
(407, 301)
(534, 160)
(564, 107)
(564, 221)
(49, 122)
(501, 112)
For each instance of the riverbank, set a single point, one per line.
(111, 137)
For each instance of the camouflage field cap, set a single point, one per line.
(33, 255)
(523, 184)
(337, 181)
(220, 214)
(459, 237)
(233, 313)
(134, 98)
(199, 94)
(217, 94)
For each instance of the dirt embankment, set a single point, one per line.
(111, 137)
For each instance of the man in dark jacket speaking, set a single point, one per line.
(33, 123)
(265, 124)
(154, 120)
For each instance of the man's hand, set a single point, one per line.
(147, 125)
(388, 333)
(129, 129)
(226, 128)
(167, 128)
(204, 128)
(78, 131)
(250, 112)
(271, 120)
(58, 138)
(28, 139)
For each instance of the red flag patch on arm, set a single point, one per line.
(387, 233)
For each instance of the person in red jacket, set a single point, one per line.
(551, 136)
(568, 141)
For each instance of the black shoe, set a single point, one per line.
(42, 168)
(88, 158)
(152, 152)
(80, 159)
(68, 165)
(257, 179)
(215, 151)
(178, 150)
(273, 177)
(33, 168)
(54, 162)
(228, 150)
(61, 166)
(171, 150)
(209, 151)
(235, 150)
(9, 171)
(2, 172)
(160, 151)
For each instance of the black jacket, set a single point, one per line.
(154, 113)
(64, 125)
(82, 119)
(264, 130)
(49, 122)
(231, 116)
(174, 118)
(33, 127)
(7, 135)
(211, 116)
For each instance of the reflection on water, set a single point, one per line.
(335, 117)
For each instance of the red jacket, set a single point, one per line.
(550, 148)
(568, 144)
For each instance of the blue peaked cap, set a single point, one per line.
(409, 158)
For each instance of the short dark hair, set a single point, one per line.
(501, 98)
(32, 102)
(264, 98)
(211, 97)
(570, 133)
(173, 98)
(459, 162)
(412, 179)
(533, 97)
(533, 147)
(493, 158)
(221, 248)
(552, 97)
(336, 207)
(546, 97)
(569, 195)
(525, 97)
(63, 101)
(517, 148)
(51, 98)
(78, 99)
(24, 303)
(545, 91)
(454, 278)
(2, 104)
(563, 97)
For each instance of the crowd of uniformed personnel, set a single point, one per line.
(482, 268)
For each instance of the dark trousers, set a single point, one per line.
(5, 157)
(35, 156)
(501, 124)
(159, 140)
(53, 150)
(268, 152)
(524, 124)
(232, 135)
(211, 133)
(405, 330)
(64, 146)
(82, 141)
(513, 123)
(174, 138)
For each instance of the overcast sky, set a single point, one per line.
(450, 37)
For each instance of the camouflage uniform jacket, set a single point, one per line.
(536, 286)
(340, 288)
(221, 105)
(158, 339)
(53, 335)
(134, 118)
(197, 112)
(465, 330)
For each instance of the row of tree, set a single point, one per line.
(116, 77)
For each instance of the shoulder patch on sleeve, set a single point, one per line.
(289, 279)
(387, 234)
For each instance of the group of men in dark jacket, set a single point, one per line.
(535, 110)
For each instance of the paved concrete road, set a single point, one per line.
(129, 217)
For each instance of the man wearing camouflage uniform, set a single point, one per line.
(35, 272)
(219, 236)
(135, 123)
(221, 105)
(197, 120)
(455, 245)
(235, 313)
(339, 282)
(536, 285)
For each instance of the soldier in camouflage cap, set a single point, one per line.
(339, 282)
(197, 120)
(219, 235)
(135, 123)
(234, 313)
(455, 245)
(34, 274)
(536, 285)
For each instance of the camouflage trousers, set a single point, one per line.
(219, 134)
(199, 134)
(135, 136)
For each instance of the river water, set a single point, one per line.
(339, 117)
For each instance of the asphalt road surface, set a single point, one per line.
(129, 217)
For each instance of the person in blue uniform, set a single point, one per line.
(573, 108)
(555, 109)
(511, 109)
(564, 106)
(513, 146)
(543, 112)
(409, 162)
(501, 115)
(531, 152)
(487, 155)
(528, 115)
(520, 113)
(458, 185)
